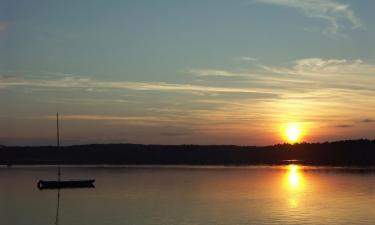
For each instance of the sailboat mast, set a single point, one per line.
(58, 146)
(58, 169)
(58, 133)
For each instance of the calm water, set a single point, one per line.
(191, 196)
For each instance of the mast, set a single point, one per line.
(57, 126)
(57, 207)
(58, 169)
(58, 147)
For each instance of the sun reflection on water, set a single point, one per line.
(293, 177)
(294, 182)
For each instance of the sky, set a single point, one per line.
(186, 72)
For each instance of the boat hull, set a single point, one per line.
(53, 184)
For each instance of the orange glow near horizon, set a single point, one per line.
(292, 133)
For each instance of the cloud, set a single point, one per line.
(306, 75)
(344, 76)
(136, 120)
(87, 83)
(324, 89)
(3, 26)
(368, 121)
(329, 93)
(336, 14)
(213, 72)
(342, 66)
(324, 67)
(248, 59)
(88, 101)
(354, 75)
(303, 78)
(221, 73)
(100, 117)
(344, 126)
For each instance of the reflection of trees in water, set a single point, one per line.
(348, 170)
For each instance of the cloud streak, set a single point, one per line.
(304, 78)
(323, 67)
(248, 59)
(87, 83)
(119, 120)
(323, 92)
(213, 73)
(309, 75)
(344, 126)
(337, 15)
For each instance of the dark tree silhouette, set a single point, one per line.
(348, 153)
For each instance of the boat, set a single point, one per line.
(53, 184)
(58, 184)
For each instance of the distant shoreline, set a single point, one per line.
(340, 153)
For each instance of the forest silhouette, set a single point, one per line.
(340, 153)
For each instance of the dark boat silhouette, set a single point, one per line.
(53, 184)
(58, 184)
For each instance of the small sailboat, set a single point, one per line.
(53, 184)
(58, 184)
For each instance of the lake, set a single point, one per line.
(191, 196)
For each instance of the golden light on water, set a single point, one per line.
(294, 183)
(293, 177)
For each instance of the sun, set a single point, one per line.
(293, 132)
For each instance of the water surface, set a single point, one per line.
(191, 196)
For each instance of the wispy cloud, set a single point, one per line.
(309, 74)
(335, 66)
(324, 67)
(88, 101)
(302, 76)
(344, 126)
(101, 117)
(136, 120)
(336, 14)
(217, 73)
(337, 78)
(326, 92)
(248, 59)
(214, 72)
(87, 83)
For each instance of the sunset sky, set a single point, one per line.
(181, 72)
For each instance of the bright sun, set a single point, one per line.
(293, 132)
